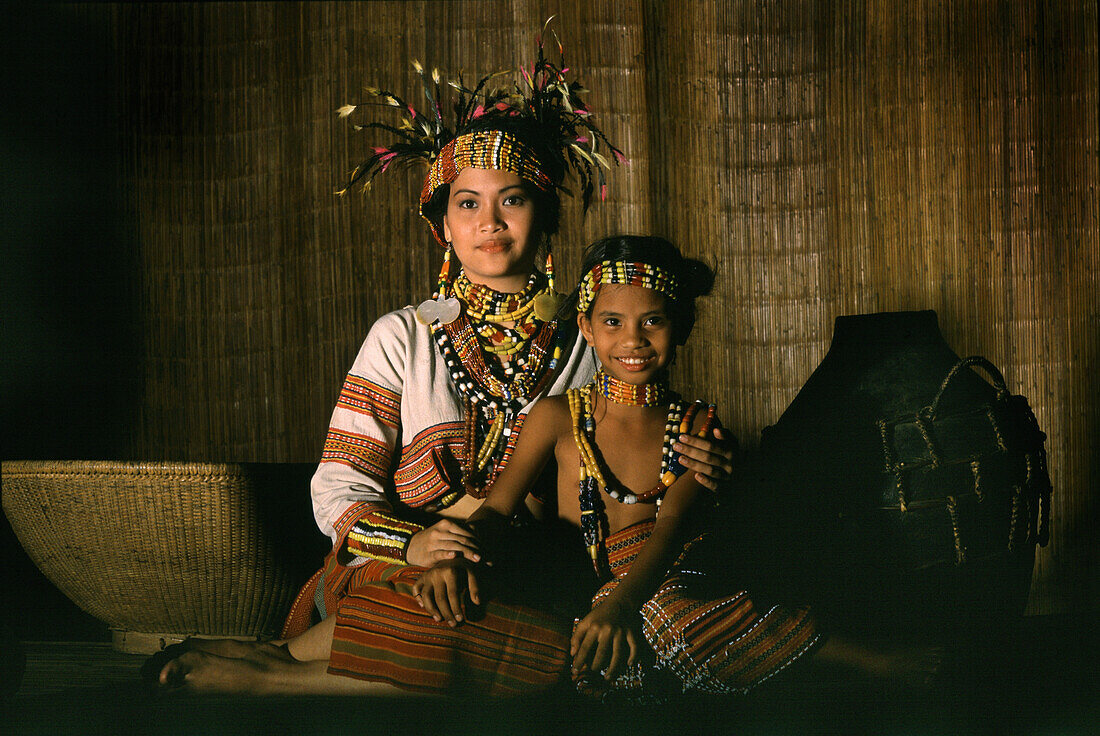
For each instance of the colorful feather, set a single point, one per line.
(543, 95)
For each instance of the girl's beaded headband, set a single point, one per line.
(645, 275)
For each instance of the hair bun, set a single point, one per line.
(697, 276)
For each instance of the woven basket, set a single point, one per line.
(160, 551)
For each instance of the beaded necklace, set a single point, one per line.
(621, 392)
(594, 473)
(493, 392)
(485, 304)
(489, 309)
(491, 385)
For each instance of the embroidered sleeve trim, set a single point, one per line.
(362, 452)
(364, 396)
(381, 535)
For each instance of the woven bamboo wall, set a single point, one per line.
(831, 157)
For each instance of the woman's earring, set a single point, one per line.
(440, 308)
(548, 302)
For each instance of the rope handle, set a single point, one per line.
(976, 361)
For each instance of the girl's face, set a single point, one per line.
(630, 331)
(490, 222)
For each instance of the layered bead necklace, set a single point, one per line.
(594, 474)
(494, 391)
(488, 310)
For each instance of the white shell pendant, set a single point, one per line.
(444, 310)
(546, 306)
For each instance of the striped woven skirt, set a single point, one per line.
(711, 644)
(515, 643)
(383, 635)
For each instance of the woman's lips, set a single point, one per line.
(493, 246)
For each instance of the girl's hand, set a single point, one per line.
(442, 590)
(444, 540)
(605, 641)
(710, 457)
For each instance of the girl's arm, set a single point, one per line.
(534, 448)
(606, 638)
(442, 590)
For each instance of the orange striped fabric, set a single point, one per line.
(367, 397)
(712, 645)
(322, 594)
(430, 464)
(383, 635)
(360, 451)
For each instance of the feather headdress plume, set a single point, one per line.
(543, 106)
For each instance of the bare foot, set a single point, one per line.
(257, 669)
(265, 669)
(910, 665)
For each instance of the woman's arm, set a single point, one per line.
(348, 488)
(357, 462)
(710, 457)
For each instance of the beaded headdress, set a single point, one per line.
(621, 272)
(546, 104)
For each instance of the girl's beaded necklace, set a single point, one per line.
(594, 473)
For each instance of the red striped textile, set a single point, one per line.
(360, 451)
(430, 464)
(383, 635)
(367, 397)
(322, 594)
(712, 645)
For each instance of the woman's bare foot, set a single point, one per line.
(264, 669)
(253, 668)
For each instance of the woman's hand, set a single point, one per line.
(442, 590)
(710, 457)
(605, 641)
(444, 540)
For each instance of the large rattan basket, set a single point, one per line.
(160, 551)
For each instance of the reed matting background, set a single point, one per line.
(180, 282)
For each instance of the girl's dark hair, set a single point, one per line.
(547, 203)
(694, 278)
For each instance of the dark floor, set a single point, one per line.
(1045, 683)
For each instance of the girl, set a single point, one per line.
(635, 506)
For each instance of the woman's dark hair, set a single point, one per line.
(693, 277)
(547, 203)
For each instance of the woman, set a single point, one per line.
(431, 407)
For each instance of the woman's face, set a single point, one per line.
(490, 222)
